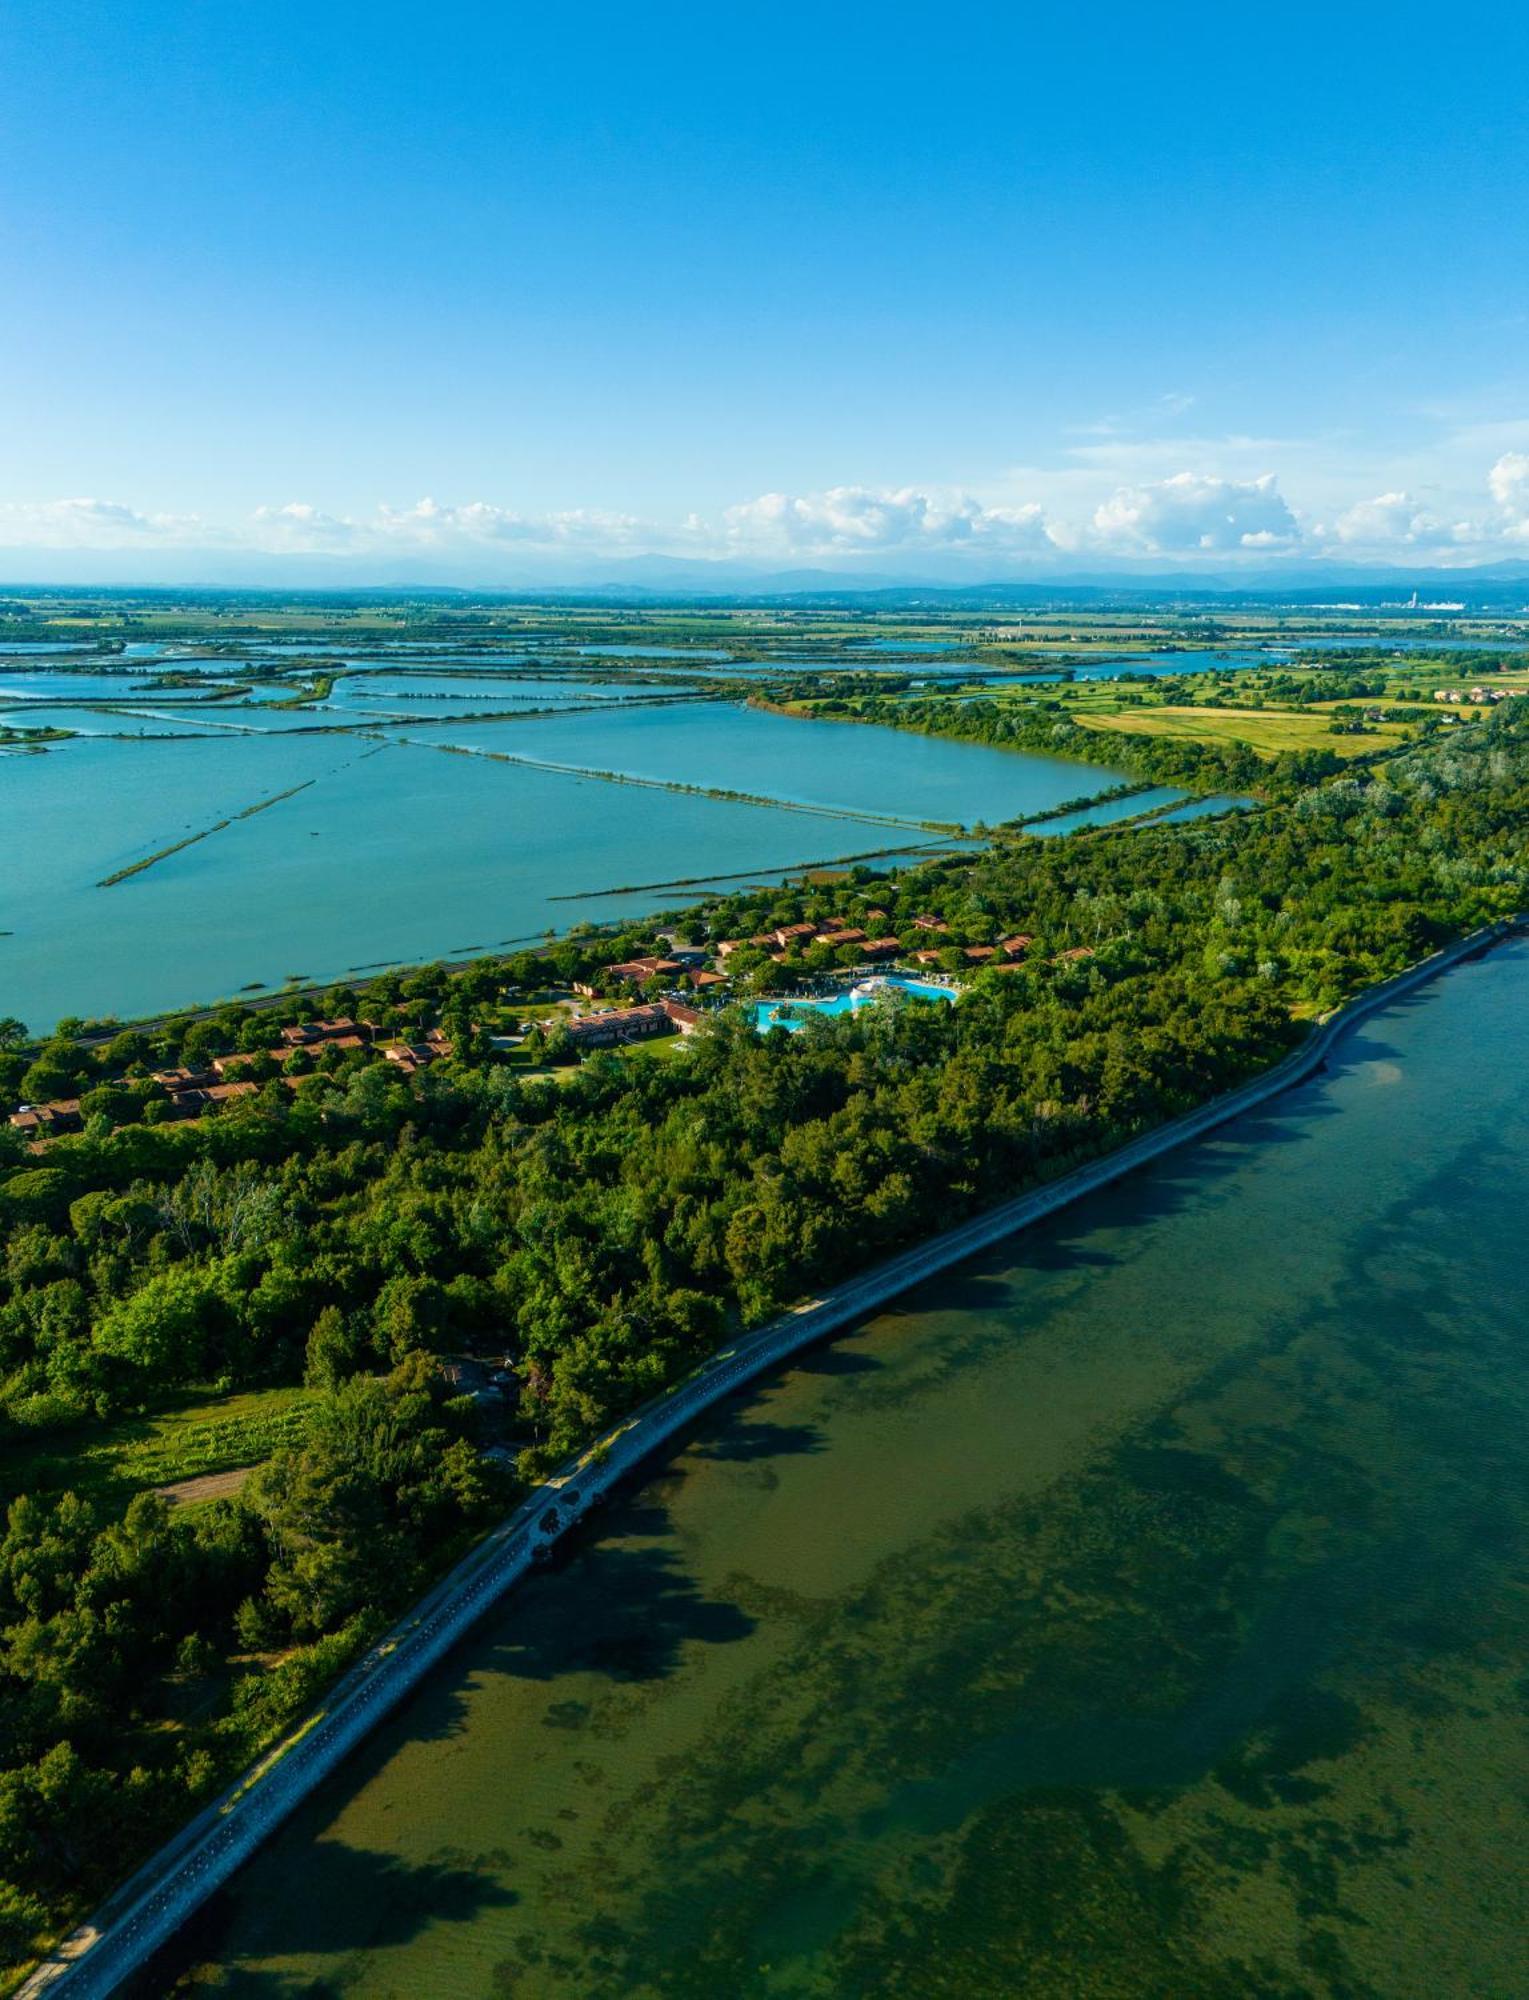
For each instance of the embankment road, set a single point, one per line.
(147, 1911)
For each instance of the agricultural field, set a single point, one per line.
(1266, 730)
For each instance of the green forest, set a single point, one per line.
(602, 1232)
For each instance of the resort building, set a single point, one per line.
(46, 1121)
(192, 1103)
(617, 1025)
(410, 1056)
(638, 971)
(307, 1033)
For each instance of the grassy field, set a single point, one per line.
(664, 1049)
(202, 1436)
(1266, 730)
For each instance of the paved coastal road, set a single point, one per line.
(147, 1911)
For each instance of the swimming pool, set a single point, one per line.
(789, 1013)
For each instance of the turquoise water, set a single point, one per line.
(395, 850)
(1201, 661)
(1205, 808)
(623, 652)
(1110, 810)
(109, 721)
(450, 693)
(836, 765)
(790, 1013)
(1135, 1613)
(1421, 641)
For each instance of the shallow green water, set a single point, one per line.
(1140, 1612)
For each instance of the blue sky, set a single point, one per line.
(505, 291)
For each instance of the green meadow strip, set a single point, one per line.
(742, 874)
(699, 791)
(175, 847)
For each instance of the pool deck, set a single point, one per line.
(774, 1012)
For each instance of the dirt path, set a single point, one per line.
(206, 1486)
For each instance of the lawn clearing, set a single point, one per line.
(202, 1437)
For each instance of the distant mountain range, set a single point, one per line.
(1502, 586)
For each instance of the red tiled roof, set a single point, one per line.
(613, 1024)
(61, 1115)
(644, 968)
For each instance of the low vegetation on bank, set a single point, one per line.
(1269, 730)
(330, 1246)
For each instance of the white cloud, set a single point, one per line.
(431, 524)
(1190, 512)
(1390, 520)
(1508, 483)
(1143, 511)
(862, 519)
(91, 524)
(300, 526)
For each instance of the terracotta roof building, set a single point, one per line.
(638, 971)
(46, 1121)
(623, 1024)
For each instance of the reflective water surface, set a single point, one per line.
(379, 845)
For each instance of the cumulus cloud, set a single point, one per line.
(1213, 514)
(298, 525)
(1390, 520)
(1191, 511)
(430, 522)
(863, 519)
(1508, 483)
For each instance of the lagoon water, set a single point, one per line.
(395, 850)
(1134, 1614)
